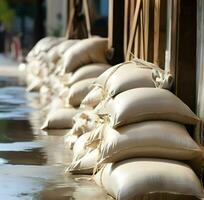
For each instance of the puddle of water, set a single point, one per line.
(32, 161)
(19, 146)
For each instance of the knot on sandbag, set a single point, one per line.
(162, 79)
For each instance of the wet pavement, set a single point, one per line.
(32, 161)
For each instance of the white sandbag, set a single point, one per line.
(131, 75)
(137, 178)
(142, 104)
(91, 50)
(56, 52)
(79, 148)
(35, 50)
(46, 46)
(79, 90)
(86, 164)
(88, 71)
(60, 119)
(45, 95)
(101, 80)
(55, 104)
(35, 85)
(93, 98)
(80, 128)
(64, 93)
(84, 122)
(64, 46)
(157, 139)
(161, 78)
(64, 79)
(52, 55)
(70, 140)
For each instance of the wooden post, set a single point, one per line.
(133, 28)
(126, 25)
(70, 15)
(116, 31)
(156, 31)
(200, 67)
(186, 53)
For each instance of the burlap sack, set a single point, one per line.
(135, 178)
(131, 75)
(60, 119)
(86, 164)
(79, 90)
(143, 104)
(64, 46)
(93, 98)
(92, 50)
(157, 139)
(88, 71)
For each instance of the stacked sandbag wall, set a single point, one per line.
(63, 76)
(137, 145)
(126, 128)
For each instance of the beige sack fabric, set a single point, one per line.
(60, 119)
(79, 148)
(46, 46)
(88, 71)
(79, 90)
(101, 80)
(34, 85)
(85, 123)
(143, 104)
(135, 178)
(91, 50)
(64, 46)
(131, 75)
(36, 49)
(86, 164)
(155, 139)
(93, 98)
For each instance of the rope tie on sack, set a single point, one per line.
(162, 79)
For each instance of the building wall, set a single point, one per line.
(56, 17)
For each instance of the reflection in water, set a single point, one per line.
(32, 161)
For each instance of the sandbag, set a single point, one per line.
(84, 122)
(55, 104)
(60, 119)
(79, 90)
(88, 71)
(86, 164)
(46, 46)
(35, 85)
(131, 75)
(52, 55)
(143, 104)
(64, 46)
(45, 95)
(79, 148)
(101, 80)
(36, 49)
(70, 140)
(157, 139)
(136, 178)
(91, 50)
(93, 98)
